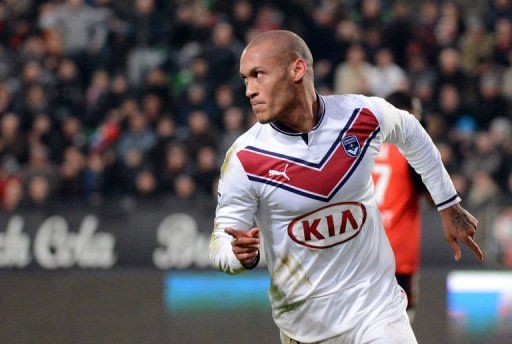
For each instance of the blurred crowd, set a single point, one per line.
(112, 99)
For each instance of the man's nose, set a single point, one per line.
(250, 90)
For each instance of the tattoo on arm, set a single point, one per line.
(460, 221)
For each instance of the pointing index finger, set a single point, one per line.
(474, 247)
(235, 233)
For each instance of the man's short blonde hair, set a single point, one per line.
(287, 46)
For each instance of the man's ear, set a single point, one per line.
(299, 69)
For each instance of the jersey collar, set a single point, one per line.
(283, 129)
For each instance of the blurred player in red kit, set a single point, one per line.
(398, 189)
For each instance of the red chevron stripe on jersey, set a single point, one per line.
(316, 180)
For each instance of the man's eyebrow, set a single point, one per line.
(251, 71)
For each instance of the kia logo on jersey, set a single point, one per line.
(351, 145)
(328, 226)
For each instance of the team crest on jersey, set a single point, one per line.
(351, 145)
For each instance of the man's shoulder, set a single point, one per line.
(255, 133)
(373, 103)
(349, 102)
(349, 99)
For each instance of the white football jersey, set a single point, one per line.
(312, 196)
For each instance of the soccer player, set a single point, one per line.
(303, 174)
(398, 189)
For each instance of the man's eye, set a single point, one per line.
(259, 74)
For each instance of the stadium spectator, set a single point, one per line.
(353, 76)
(176, 163)
(96, 97)
(502, 235)
(490, 103)
(448, 157)
(223, 53)
(224, 99)
(484, 158)
(398, 32)
(200, 133)
(43, 132)
(242, 18)
(196, 100)
(373, 43)
(451, 12)
(73, 133)
(451, 107)
(127, 170)
(461, 184)
(39, 163)
(233, 124)
(82, 27)
(12, 194)
(475, 46)
(71, 186)
(267, 18)
(497, 9)
(146, 31)
(5, 98)
(12, 141)
(323, 76)
(152, 106)
(386, 77)
(320, 35)
(371, 14)
(185, 188)
(347, 32)
(206, 168)
(38, 192)
(139, 136)
(503, 41)
(483, 191)
(156, 82)
(146, 185)
(119, 90)
(94, 179)
(69, 88)
(449, 70)
(166, 134)
(83, 30)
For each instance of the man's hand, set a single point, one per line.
(246, 245)
(460, 225)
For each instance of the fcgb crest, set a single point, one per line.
(351, 145)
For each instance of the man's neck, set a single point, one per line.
(303, 117)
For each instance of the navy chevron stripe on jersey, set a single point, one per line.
(316, 165)
(310, 194)
(320, 181)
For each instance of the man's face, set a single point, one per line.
(268, 82)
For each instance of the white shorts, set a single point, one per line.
(390, 327)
